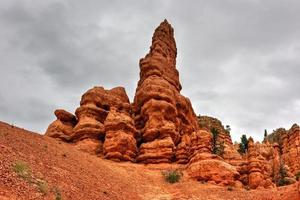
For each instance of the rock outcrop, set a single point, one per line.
(291, 148)
(288, 145)
(62, 127)
(162, 114)
(210, 123)
(211, 168)
(256, 174)
(120, 138)
(160, 126)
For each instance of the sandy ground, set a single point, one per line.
(71, 174)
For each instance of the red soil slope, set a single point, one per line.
(78, 175)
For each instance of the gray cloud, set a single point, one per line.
(238, 61)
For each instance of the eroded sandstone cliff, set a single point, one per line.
(160, 126)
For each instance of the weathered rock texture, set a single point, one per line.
(209, 167)
(160, 126)
(210, 123)
(162, 114)
(62, 127)
(288, 145)
(259, 168)
(291, 148)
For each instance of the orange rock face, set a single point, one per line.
(209, 167)
(291, 148)
(62, 127)
(210, 123)
(94, 107)
(120, 142)
(162, 114)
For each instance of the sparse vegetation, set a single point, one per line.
(172, 176)
(276, 136)
(265, 134)
(42, 186)
(22, 169)
(218, 149)
(247, 188)
(230, 188)
(298, 176)
(228, 129)
(57, 194)
(243, 147)
(282, 176)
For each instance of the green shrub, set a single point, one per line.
(243, 147)
(22, 169)
(283, 182)
(230, 188)
(298, 176)
(283, 177)
(57, 194)
(172, 176)
(42, 186)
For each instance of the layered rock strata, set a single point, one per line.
(62, 127)
(164, 117)
(291, 148)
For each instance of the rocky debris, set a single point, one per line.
(62, 127)
(209, 167)
(80, 176)
(90, 145)
(162, 114)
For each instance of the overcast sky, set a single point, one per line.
(238, 60)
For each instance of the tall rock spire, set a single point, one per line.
(163, 43)
(161, 59)
(162, 114)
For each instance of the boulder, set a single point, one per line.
(207, 167)
(62, 127)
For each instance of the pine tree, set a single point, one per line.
(265, 134)
(243, 145)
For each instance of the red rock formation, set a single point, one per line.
(255, 168)
(62, 127)
(162, 114)
(120, 142)
(291, 148)
(201, 142)
(210, 167)
(160, 126)
(259, 164)
(288, 146)
(94, 107)
(210, 123)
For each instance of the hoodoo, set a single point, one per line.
(161, 113)
(160, 126)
